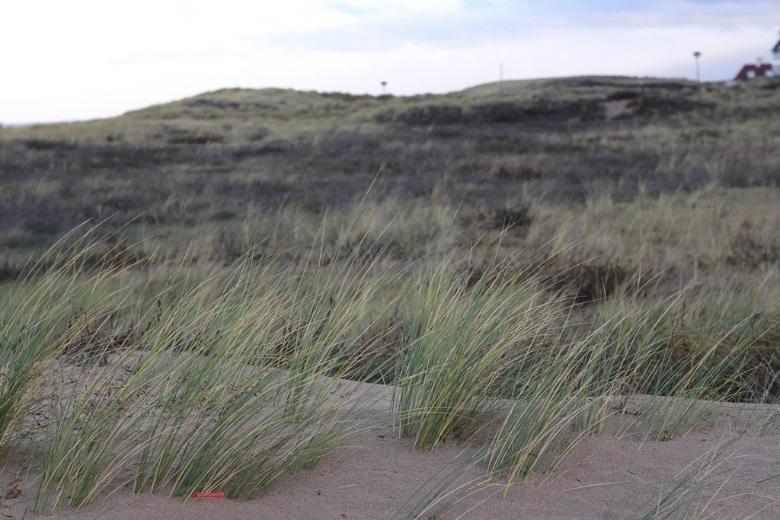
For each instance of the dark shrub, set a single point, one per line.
(655, 105)
(213, 103)
(516, 171)
(43, 144)
(426, 115)
(501, 112)
(10, 272)
(750, 252)
(189, 140)
(623, 95)
(537, 111)
(590, 281)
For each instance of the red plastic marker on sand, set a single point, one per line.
(209, 494)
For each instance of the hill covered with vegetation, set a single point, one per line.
(213, 156)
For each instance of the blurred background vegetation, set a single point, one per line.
(620, 193)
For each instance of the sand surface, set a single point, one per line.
(379, 476)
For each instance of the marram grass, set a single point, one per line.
(229, 388)
(176, 379)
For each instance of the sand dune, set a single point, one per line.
(730, 470)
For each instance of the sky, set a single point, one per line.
(79, 59)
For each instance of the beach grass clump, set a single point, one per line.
(464, 341)
(42, 316)
(701, 342)
(672, 355)
(560, 395)
(230, 386)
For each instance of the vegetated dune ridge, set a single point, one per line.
(209, 158)
(725, 467)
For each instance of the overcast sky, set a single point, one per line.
(76, 59)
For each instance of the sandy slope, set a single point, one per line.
(608, 476)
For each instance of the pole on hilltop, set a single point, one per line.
(697, 57)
